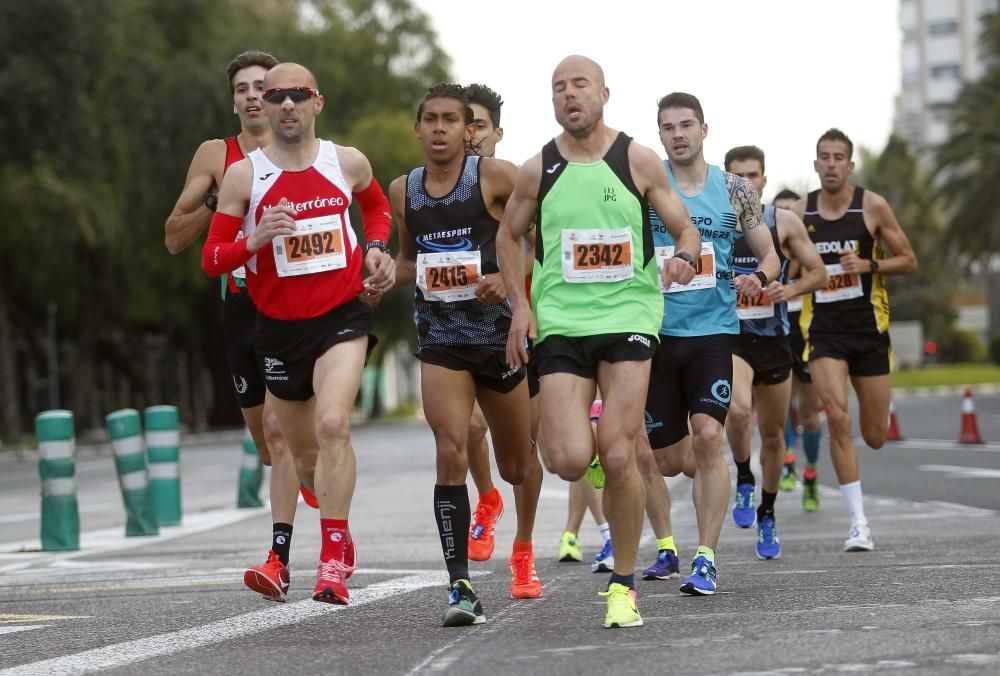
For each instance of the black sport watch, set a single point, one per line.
(874, 264)
(377, 244)
(685, 256)
(212, 201)
(759, 274)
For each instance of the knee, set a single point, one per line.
(838, 420)
(874, 434)
(566, 467)
(618, 460)
(273, 437)
(739, 416)
(512, 471)
(333, 427)
(667, 466)
(707, 443)
(477, 429)
(772, 438)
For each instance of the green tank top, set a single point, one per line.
(595, 269)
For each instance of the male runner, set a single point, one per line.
(846, 324)
(762, 358)
(692, 376)
(805, 406)
(448, 213)
(290, 201)
(190, 217)
(594, 297)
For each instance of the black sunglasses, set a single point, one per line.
(296, 94)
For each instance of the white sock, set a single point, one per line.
(605, 531)
(852, 496)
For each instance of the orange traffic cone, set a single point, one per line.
(893, 433)
(970, 428)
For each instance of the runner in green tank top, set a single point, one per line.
(595, 292)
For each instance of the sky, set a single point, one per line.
(771, 73)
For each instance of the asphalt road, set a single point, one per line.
(926, 601)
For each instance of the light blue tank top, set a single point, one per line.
(704, 312)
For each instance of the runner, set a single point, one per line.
(693, 370)
(803, 411)
(846, 324)
(190, 217)
(448, 214)
(290, 201)
(594, 294)
(762, 358)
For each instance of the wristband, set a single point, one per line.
(685, 256)
(874, 264)
(759, 274)
(377, 244)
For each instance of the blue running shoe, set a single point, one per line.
(768, 544)
(604, 562)
(744, 513)
(702, 581)
(666, 567)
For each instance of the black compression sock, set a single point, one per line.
(281, 541)
(627, 580)
(743, 473)
(453, 515)
(766, 507)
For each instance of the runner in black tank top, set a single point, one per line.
(448, 216)
(762, 360)
(846, 323)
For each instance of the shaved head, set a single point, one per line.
(575, 63)
(289, 75)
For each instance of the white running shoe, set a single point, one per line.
(860, 539)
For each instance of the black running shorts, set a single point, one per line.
(689, 375)
(287, 350)
(768, 356)
(239, 320)
(865, 354)
(580, 355)
(488, 367)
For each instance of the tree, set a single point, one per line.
(925, 296)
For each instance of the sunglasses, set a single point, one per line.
(296, 94)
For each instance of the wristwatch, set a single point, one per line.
(377, 244)
(685, 256)
(212, 201)
(874, 264)
(759, 274)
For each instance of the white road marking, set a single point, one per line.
(15, 628)
(239, 626)
(960, 472)
(929, 444)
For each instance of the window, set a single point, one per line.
(946, 72)
(943, 28)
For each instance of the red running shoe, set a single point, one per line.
(484, 521)
(330, 585)
(524, 582)
(308, 496)
(271, 579)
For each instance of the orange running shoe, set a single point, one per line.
(270, 579)
(330, 583)
(524, 582)
(308, 496)
(481, 537)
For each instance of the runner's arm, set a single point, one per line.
(800, 250)
(222, 252)
(903, 260)
(190, 215)
(751, 215)
(406, 259)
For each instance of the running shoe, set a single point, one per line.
(666, 567)
(810, 496)
(768, 544)
(744, 513)
(481, 536)
(308, 496)
(270, 579)
(524, 582)
(595, 473)
(702, 580)
(569, 549)
(330, 583)
(604, 562)
(464, 608)
(787, 481)
(860, 539)
(622, 611)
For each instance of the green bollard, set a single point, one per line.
(163, 441)
(60, 529)
(130, 462)
(251, 473)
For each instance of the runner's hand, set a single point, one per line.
(778, 292)
(381, 270)
(748, 285)
(371, 296)
(276, 221)
(676, 270)
(851, 263)
(491, 290)
(522, 325)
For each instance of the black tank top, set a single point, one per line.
(456, 222)
(744, 263)
(849, 304)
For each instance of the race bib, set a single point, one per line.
(704, 269)
(795, 304)
(840, 285)
(449, 276)
(597, 256)
(316, 246)
(760, 307)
